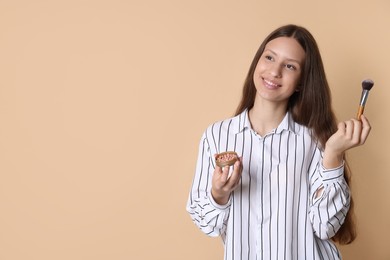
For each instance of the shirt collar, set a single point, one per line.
(243, 123)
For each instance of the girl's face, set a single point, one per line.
(278, 71)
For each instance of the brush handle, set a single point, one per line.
(363, 100)
(360, 112)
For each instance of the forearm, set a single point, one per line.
(210, 217)
(332, 158)
(329, 208)
(206, 213)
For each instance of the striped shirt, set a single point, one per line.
(275, 212)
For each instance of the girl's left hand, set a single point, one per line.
(350, 133)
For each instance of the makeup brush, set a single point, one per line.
(367, 84)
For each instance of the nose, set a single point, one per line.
(276, 70)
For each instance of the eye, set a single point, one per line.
(268, 57)
(291, 67)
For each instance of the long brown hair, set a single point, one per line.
(310, 106)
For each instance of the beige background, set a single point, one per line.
(102, 104)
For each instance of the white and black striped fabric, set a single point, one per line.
(275, 212)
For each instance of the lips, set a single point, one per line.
(270, 85)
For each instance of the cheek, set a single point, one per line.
(257, 73)
(296, 79)
(296, 82)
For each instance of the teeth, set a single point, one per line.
(271, 83)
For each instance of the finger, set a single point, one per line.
(349, 129)
(365, 122)
(366, 128)
(236, 175)
(216, 179)
(225, 174)
(218, 170)
(341, 127)
(357, 131)
(239, 167)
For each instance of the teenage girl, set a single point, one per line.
(287, 197)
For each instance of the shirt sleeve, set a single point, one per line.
(330, 200)
(210, 217)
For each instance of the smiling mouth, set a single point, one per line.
(270, 84)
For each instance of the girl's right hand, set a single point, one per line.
(222, 184)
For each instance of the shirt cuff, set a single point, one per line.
(218, 206)
(332, 175)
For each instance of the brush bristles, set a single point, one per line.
(367, 84)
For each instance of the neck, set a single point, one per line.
(265, 117)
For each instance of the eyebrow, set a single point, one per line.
(293, 60)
